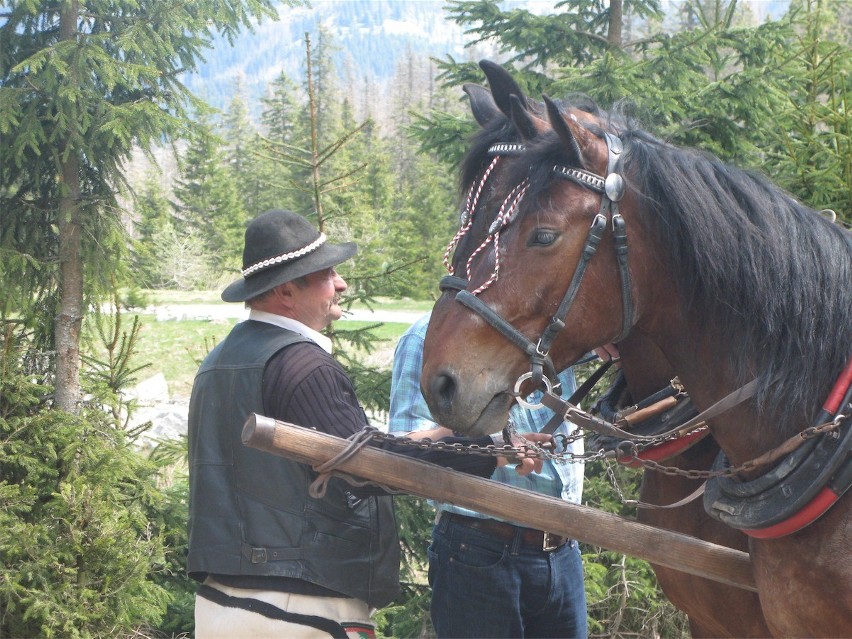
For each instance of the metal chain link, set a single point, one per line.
(808, 433)
(528, 450)
(627, 450)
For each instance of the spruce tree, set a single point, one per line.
(208, 202)
(79, 541)
(240, 144)
(81, 83)
(279, 128)
(809, 148)
(154, 213)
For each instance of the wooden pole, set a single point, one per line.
(656, 545)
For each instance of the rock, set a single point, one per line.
(150, 391)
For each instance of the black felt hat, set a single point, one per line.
(281, 246)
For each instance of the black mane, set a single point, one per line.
(773, 274)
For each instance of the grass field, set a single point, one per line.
(160, 297)
(176, 347)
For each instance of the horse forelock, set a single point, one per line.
(773, 273)
(477, 157)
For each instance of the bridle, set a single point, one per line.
(542, 370)
(611, 187)
(506, 213)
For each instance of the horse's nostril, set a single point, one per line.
(443, 388)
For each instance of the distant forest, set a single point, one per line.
(371, 38)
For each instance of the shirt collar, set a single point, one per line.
(292, 325)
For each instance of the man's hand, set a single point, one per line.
(608, 352)
(526, 465)
(433, 433)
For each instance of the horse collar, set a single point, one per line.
(790, 496)
(802, 487)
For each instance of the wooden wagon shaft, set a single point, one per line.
(592, 526)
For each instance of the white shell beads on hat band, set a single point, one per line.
(286, 257)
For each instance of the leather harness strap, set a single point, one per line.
(585, 388)
(585, 420)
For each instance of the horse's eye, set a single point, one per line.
(542, 237)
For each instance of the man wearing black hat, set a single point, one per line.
(274, 561)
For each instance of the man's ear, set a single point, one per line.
(282, 295)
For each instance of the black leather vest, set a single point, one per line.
(250, 512)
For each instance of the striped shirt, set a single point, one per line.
(303, 384)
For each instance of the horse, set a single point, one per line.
(744, 291)
(508, 124)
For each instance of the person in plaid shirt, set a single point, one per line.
(494, 578)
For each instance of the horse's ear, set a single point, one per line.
(522, 119)
(503, 86)
(481, 103)
(569, 131)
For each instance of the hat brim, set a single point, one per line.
(324, 257)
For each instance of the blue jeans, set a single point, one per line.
(485, 587)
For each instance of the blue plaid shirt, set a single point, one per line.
(409, 412)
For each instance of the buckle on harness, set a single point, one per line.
(258, 555)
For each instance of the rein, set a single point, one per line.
(587, 421)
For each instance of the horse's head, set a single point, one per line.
(531, 216)
(510, 122)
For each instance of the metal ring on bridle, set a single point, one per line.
(524, 403)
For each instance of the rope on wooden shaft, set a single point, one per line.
(326, 469)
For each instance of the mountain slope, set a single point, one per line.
(372, 35)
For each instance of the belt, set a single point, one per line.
(538, 539)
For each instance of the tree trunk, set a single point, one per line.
(69, 319)
(616, 20)
(315, 160)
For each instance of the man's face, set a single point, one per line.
(318, 304)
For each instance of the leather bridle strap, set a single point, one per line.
(583, 419)
(452, 282)
(557, 323)
(585, 388)
(619, 233)
(538, 353)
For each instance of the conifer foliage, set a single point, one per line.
(78, 509)
(81, 82)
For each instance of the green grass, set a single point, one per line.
(155, 297)
(386, 332)
(385, 304)
(175, 348)
(158, 297)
